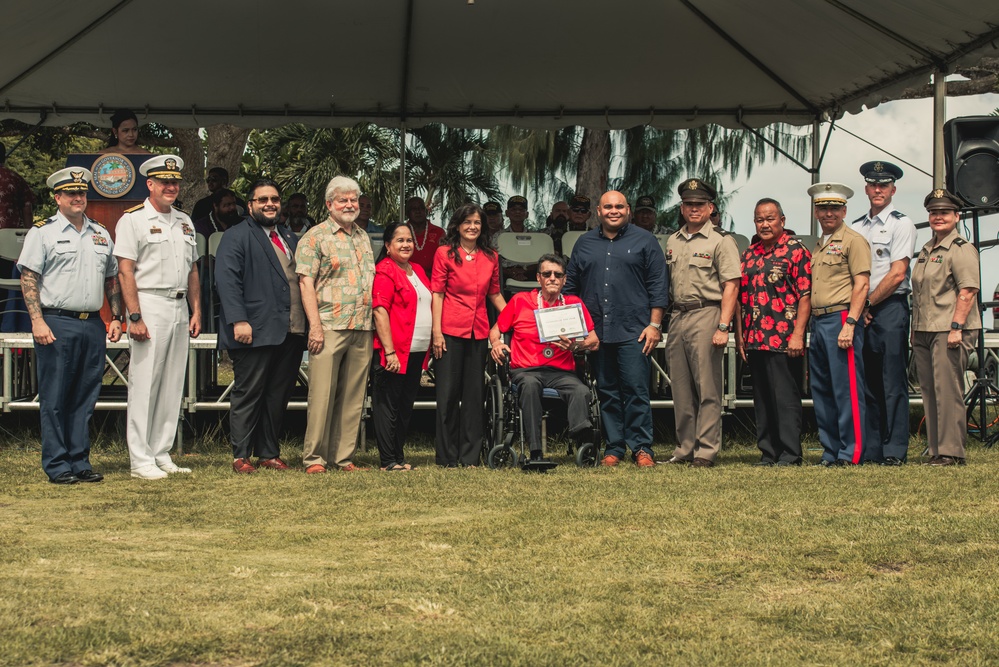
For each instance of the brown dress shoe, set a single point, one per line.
(610, 461)
(243, 466)
(677, 461)
(350, 467)
(274, 464)
(315, 469)
(702, 463)
(946, 461)
(644, 460)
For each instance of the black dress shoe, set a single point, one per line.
(782, 463)
(891, 461)
(831, 464)
(89, 476)
(65, 478)
(764, 463)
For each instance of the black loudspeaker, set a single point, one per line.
(971, 145)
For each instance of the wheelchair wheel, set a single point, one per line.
(501, 456)
(494, 411)
(586, 455)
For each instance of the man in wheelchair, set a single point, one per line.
(536, 365)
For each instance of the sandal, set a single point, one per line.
(394, 467)
(408, 466)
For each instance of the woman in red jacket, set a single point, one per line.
(402, 309)
(465, 277)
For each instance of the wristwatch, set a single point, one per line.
(723, 327)
(118, 318)
(656, 325)
(134, 317)
(956, 326)
(851, 321)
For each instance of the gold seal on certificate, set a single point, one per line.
(560, 321)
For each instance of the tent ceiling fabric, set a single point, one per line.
(668, 63)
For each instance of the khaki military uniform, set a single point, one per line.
(698, 266)
(941, 270)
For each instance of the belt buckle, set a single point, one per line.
(83, 316)
(178, 296)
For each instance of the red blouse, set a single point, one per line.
(393, 292)
(465, 289)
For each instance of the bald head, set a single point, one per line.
(613, 212)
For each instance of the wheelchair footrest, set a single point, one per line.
(538, 465)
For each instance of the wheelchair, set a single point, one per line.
(504, 424)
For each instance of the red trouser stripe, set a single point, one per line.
(851, 360)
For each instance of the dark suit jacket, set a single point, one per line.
(252, 285)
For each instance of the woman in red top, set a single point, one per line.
(465, 277)
(401, 300)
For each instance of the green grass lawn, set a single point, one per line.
(731, 565)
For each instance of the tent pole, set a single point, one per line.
(816, 126)
(402, 173)
(939, 116)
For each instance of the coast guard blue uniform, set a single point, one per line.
(73, 266)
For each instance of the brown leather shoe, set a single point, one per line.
(610, 461)
(350, 467)
(698, 462)
(315, 469)
(274, 464)
(677, 461)
(644, 460)
(243, 466)
(946, 461)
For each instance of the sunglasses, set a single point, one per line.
(266, 200)
(549, 274)
(579, 209)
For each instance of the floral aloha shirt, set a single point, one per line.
(773, 282)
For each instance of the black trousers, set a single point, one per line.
(392, 398)
(777, 401)
(887, 390)
(461, 376)
(263, 378)
(530, 382)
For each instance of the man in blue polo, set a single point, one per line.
(619, 271)
(67, 268)
(892, 237)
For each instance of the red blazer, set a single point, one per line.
(393, 292)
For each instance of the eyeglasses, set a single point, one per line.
(579, 209)
(266, 200)
(549, 274)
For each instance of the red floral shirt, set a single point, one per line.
(773, 282)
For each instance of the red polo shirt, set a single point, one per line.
(527, 350)
(425, 256)
(465, 289)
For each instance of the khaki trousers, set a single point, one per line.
(338, 377)
(941, 382)
(695, 374)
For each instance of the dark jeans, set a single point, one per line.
(263, 379)
(69, 382)
(392, 398)
(837, 382)
(777, 401)
(461, 376)
(622, 373)
(530, 382)
(887, 391)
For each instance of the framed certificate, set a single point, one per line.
(565, 321)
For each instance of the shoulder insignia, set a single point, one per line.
(898, 215)
(722, 231)
(42, 223)
(860, 219)
(96, 223)
(133, 209)
(959, 241)
(177, 208)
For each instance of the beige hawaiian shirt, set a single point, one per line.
(343, 268)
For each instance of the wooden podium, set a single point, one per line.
(117, 187)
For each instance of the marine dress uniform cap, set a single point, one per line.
(880, 172)
(645, 203)
(941, 199)
(580, 201)
(70, 179)
(694, 189)
(829, 194)
(492, 207)
(516, 200)
(163, 167)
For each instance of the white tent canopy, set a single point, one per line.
(475, 63)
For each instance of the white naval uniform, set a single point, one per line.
(164, 249)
